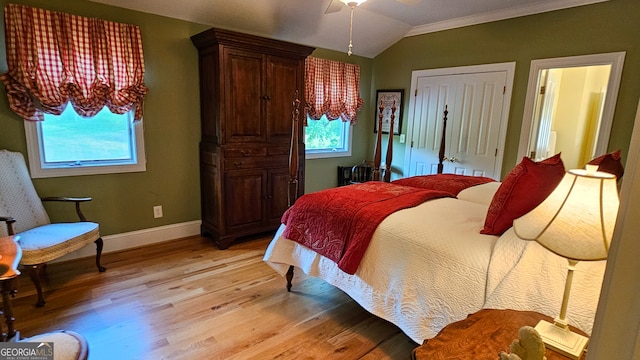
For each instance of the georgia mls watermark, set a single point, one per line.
(26, 351)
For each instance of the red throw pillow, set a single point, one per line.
(610, 163)
(524, 188)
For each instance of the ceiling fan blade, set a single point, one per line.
(410, 2)
(334, 6)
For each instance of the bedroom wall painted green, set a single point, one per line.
(599, 28)
(123, 202)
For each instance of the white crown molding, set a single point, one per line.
(499, 15)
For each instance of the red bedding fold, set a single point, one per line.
(453, 183)
(338, 223)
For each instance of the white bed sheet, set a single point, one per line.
(407, 272)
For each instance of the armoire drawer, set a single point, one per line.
(246, 151)
(256, 162)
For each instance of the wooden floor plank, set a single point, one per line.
(186, 299)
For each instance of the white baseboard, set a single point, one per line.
(133, 239)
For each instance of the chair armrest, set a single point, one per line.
(76, 200)
(66, 199)
(9, 221)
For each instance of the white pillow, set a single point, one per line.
(480, 194)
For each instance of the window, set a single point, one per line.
(68, 144)
(61, 65)
(326, 139)
(332, 97)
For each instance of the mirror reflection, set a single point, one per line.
(568, 113)
(569, 107)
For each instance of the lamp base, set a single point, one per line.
(561, 339)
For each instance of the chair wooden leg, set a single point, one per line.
(8, 291)
(99, 245)
(35, 272)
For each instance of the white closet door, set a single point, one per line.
(475, 104)
(431, 96)
(474, 124)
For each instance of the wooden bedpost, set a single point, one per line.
(293, 167)
(442, 141)
(293, 151)
(377, 157)
(387, 163)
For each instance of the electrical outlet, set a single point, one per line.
(402, 138)
(157, 211)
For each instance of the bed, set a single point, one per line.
(429, 265)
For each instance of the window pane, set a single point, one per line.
(72, 138)
(326, 139)
(325, 135)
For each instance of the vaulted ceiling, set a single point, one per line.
(377, 24)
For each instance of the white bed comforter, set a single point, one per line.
(429, 266)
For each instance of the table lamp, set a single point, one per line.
(576, 222)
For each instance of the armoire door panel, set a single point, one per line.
(244, 195)
(285, 78)
(244, 97)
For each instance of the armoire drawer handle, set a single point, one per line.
(238, 164)
(245, 152)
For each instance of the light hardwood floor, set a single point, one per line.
(185, 299)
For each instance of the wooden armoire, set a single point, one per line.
(247, 88)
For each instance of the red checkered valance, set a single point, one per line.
(55, 58)
(332, 89)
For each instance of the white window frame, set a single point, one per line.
(325, 154)
(39, 169)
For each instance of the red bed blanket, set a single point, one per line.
(453, 183)
(338, 223)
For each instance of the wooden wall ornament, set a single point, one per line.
(387, 98)
(387, 164)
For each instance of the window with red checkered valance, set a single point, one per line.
(332, 89)
(55, 58)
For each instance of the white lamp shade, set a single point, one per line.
(576, 221)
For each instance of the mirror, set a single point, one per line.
(569, 107)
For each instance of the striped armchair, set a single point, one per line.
(40, 240)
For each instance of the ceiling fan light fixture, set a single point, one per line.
(352, 3)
